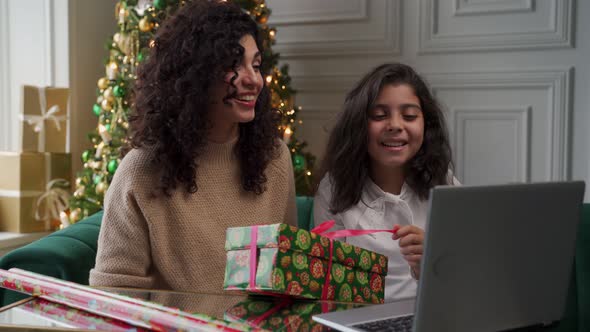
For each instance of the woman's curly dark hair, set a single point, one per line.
(193, 49)
(347, 159)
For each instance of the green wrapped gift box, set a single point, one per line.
(282, 314)
(295, 262)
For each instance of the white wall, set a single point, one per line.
(513, 74)
(52, 43)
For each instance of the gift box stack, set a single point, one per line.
(282, 314)
(34, 182)
(280, 259)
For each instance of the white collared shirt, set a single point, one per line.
(378, 210)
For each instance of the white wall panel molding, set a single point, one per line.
(319, 113)
(313, 11)
(49, 42)
(507, 129)
(470, 7)
(5, 100)
(325, 82)
(557, 84)
(547, 25)
(374, 29)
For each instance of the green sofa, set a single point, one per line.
(69, 254)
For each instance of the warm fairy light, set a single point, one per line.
(308, 173)
(152, 43)
(268, 79)
(283, 87)
(287, 135)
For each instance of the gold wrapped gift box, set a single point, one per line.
(45, 119)
(23, 179)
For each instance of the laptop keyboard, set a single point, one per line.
(396, 324)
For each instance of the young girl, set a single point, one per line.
(388, 148)
(204, 156)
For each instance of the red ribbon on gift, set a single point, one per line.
(285, 302)
(326, 225)
(253, 255)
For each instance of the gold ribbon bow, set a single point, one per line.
(53, 201)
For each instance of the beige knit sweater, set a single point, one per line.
(178, 242)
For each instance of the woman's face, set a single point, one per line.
(395, 126)
(239, 107)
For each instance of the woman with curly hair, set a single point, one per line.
(204, 155)
(387, 150)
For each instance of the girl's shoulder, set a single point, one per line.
(451, 179)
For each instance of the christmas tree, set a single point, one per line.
(138, 21)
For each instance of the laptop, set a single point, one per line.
(495, 258)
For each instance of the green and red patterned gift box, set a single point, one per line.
(295, 262)
(283, 314)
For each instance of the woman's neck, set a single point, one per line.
(223, 134)
(388, 179)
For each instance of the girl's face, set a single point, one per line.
(395, 126)
(243, 93)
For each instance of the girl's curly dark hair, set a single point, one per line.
(347, 159)
(193, 49)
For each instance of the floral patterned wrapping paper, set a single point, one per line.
(282, 315)
(75, 318)
(140, 314)
(294, 262)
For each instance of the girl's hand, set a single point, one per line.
(411, 243)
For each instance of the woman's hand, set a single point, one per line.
(411, 243)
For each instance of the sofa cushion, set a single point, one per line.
(305, 212)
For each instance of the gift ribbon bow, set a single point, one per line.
(53, 201)
(46, 114)
(38, 121)
(322, 228)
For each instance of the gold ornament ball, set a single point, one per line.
(75, 215)
(106, 105)
(145, 25)
(117, 38)
(79, 192)
(263, 19)
(101, 188)
(103, 83)
(108, 95)
(112, 70)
